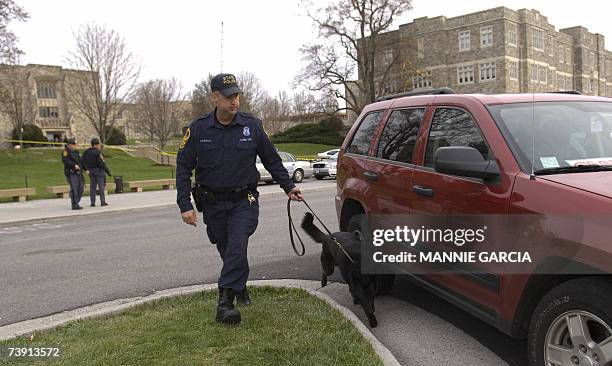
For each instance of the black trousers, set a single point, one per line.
(229, 225)
(97, 181)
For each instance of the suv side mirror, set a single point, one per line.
(464, 161)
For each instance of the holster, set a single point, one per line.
(197, 198)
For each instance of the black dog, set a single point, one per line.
(361, 286)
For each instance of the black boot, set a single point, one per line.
(243, 298)
(226, 313)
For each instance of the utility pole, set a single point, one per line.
(221, 46)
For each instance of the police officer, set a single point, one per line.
(73, 172)
(222, 147)
(93, 163)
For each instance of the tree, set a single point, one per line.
(31, 132)
(15, 98)
(160, 108)
(254, 95)
(9, 11)
(99, 96)
(200, 98)
(354, 32)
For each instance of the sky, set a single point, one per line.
(182, 38)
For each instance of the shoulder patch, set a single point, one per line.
(65, 153)
(185, 138)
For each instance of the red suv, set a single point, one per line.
(449, 154)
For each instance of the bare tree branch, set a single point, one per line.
(100, 96)
(345, 65)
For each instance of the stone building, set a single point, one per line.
(494, 51)
(40, 93)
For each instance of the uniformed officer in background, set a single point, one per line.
(222, 147)
(73, 172)
(93, 163)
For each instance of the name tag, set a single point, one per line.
(205, 141)
(246, 140)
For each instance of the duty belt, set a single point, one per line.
(214, 195)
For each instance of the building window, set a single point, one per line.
(487, 71)
(568, 83)
(45, 90)
(465, 74)
(486, 36)
(568, 56)
(590, 86)
(464, 41)
(534, 72)
(512, 37)
(549, 45)
(593, 63)
(387, 56)
(537, 39)
(543, 74)
(513, 70)
(421, 47)
(561, 83)
(48, 112)
(551, 77)
(561, 54)
(421, 80)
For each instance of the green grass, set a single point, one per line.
(44, 167)
(282, 327)
(304, 148)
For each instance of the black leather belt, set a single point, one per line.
(215, 195)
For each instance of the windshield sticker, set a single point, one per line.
(590, 161)
(596, 126)
(549, 162)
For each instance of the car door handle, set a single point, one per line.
(423, 191)
(370, 175)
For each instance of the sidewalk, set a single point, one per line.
(41, 210)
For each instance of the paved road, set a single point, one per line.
(69, 263)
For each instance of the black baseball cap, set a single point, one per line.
(71, 141)
(95, 141)
(225, 84)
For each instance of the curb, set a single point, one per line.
(15, 330)
(136, 208)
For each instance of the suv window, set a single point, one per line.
(365, 132)
(454, 127)
(398, 138)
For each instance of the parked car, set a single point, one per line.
(326, 168)
(327, 154)
(498, 154)
(297, 169)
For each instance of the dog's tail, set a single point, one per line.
(311, 229)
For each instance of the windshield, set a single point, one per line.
(549, 135)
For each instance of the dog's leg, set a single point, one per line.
(323, 280)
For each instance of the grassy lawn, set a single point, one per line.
(44, 167)
(282, 327)
(304, 149)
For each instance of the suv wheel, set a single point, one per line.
(384, 282)
(298, 176)
(572, 325)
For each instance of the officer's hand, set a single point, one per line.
(87, 171)
(190, 217)
(76, 167)
(295, 194)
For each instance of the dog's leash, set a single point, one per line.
(293, 229)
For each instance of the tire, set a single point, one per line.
(384, 282)
(298, 176)
(585, 304)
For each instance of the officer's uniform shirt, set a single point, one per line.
(224, 156)
(92, 159)
(71, 158)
